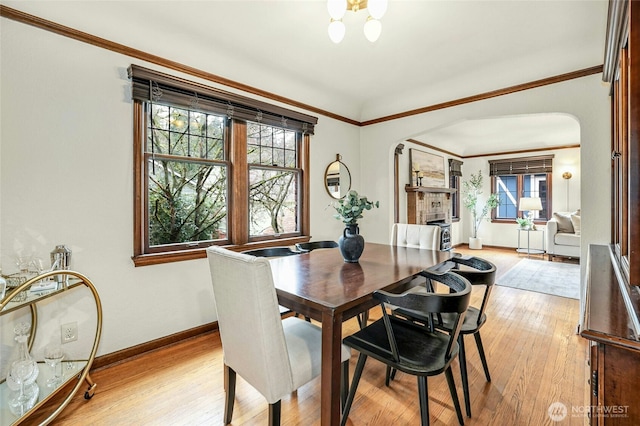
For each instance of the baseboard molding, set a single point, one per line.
(123, 355)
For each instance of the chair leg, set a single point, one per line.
(483, 358)
(344, 388)
(454, 394)
(462, 358)
(391, 375)
(423, 392)
(230, 393)
(362, 359)
(363, 318)
(274, 414)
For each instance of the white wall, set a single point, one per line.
(66, 166)
(585, 98)
(66, 161)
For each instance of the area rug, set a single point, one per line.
(559, 279)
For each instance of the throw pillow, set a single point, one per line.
(564, 222)
(575, 221)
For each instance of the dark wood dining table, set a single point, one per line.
(320, 285)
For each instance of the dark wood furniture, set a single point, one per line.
(611, 324)
(416, 349)
(482, 273)
(312, 245)
(319, 284)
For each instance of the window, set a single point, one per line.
(515, 178)
(455, 173)
(214, 168)
(273, 180)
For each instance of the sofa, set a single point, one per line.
(563, 235)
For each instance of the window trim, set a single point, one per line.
(520, 183)
(238, 205)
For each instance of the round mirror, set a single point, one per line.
(337, 179)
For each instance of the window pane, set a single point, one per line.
(187, 202)
(536, 186)
(273, 202)
(507, 189)
(185, 133)
(271, 146)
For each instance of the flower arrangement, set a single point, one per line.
(472, 189)
(523, 222)
(351, 207)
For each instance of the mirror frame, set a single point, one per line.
(342, 167)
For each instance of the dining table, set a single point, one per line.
(322, 286)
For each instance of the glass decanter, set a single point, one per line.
(22, 374)
(21, 355)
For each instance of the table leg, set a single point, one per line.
(330, 376)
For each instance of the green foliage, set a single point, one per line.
(351, 207)
(523, 222)
(471, 190)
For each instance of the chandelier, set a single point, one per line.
(372, 26)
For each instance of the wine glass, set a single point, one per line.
(53, 356)
(22, 370)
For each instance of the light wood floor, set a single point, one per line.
(534, 355)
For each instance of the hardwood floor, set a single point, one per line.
(534, 355)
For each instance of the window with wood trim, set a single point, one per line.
(213, 167)
(515, 178)
(455, 174)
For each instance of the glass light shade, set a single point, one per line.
(372, 29)
(530, 204)
(336, 8)
(377, 8)
(336, 31)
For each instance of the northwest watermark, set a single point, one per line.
(558, 411)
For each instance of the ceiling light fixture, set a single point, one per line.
(372, 26)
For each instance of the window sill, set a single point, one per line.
(200, 253)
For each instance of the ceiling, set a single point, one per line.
(429, 51)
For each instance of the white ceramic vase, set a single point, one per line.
(475, 243)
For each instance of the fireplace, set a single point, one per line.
(445, 234)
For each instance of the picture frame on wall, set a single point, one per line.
(426, 169)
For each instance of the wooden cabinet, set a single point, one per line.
(68, 292)
(611, 324)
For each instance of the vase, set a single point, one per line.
(351, 244)
(475, 243)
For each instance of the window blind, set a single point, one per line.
(455, 167)
(154, 86)
(521, 166)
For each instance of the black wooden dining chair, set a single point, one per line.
(414, 348)
(479, 272)
(312, 245)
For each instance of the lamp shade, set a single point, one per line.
(530, 204)
(337, 8)
(377, 8)
(336, 31)
(372, 29)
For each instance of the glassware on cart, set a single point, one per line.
(53, 356)
(23, 373)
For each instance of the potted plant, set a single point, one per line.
(349, 209)
(472, 189)
(523, 222)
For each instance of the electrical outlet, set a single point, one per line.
(69, 332)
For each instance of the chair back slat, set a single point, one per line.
(483, 273)
(249, 320)
(425, 304)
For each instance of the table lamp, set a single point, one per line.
(530, 204)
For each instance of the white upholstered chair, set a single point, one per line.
(276, 356)
(418, 236)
